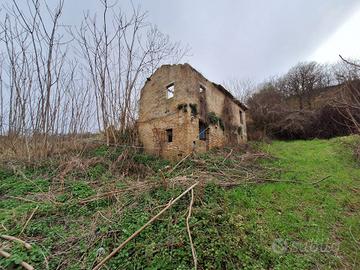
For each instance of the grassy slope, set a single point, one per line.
(231, 229)
(318, 223)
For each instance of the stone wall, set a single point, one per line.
(158, 113)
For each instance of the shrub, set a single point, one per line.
(81, 189)
(275, 114)
(331, 121)
(283, 123)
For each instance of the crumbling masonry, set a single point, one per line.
(181, 112)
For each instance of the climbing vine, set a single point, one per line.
(213, 119)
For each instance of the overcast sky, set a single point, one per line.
(250, 39)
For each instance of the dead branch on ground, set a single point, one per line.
(136, 187)
(7, 255)
(15, 239)
(188, 229)
(322, 179)
(28, 220)
(116, 250)
(181, 161)
(227, 156)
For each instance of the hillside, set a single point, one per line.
(284, 205)
(319, 98)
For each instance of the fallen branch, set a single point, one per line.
(181, 161)
(353, 237)
(116, 250)
(322, 179)
(105, 217)
(281, 181)
(28, 220)
(7, 255)
(188, 230)
(102, 196)
(2, 225)
(108, 194)
(228, 155)
(232, 185)
(15, 239)
(21, 199)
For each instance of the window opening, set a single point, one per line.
(169, 135)
(170, 90)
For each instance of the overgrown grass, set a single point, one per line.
(274, 225)
(313, 225)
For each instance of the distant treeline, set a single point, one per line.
(309, 101)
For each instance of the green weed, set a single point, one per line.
(279, 225)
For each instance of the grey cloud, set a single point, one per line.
(242, 39)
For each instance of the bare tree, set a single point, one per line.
(302, 81)
(47, 90)
(349, 103)
(38, 73)
(241, 89)
(264, 105)
(2, 112)
(346, 70)
(120, 52)
(36, 60)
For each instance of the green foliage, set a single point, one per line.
(5, 173)
(81, 189)
(97, 171)
(231, 229)
(15, 185)
(20, 254)
(221, 124)
(101, 151)
(62, 198)
(107, 152)
(303, 214)
(153, 162)
(215, 120)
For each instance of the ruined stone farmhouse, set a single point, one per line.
(181, 112)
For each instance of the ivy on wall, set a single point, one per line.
(213, 119)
